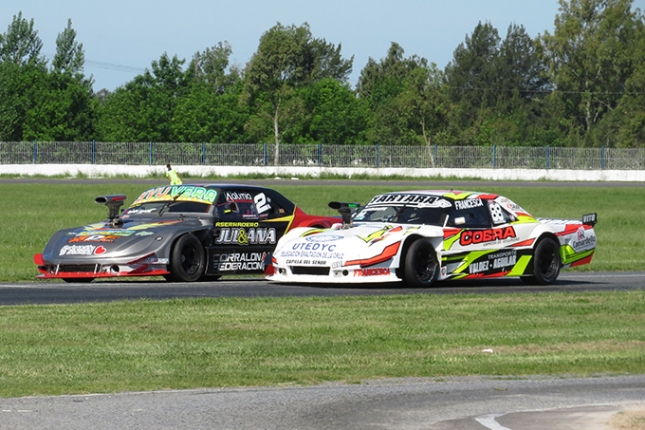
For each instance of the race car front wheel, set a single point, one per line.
(546, 263)
(186, 260)
(421, 267)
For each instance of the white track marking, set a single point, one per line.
(488, 421)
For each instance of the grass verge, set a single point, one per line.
(176, 344)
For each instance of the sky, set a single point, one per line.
(121, 38)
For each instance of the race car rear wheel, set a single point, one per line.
(186, 260)
(421, 266)
(546, 263)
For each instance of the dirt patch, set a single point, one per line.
(629, 419)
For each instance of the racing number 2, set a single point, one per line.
(261, 204)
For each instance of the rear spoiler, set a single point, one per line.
(590, 219)
(346, 210)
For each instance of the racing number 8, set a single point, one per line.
(496, 213)
(261, 203)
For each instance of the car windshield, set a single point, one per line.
(179, 206)
(402, 214)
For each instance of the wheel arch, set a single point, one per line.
(405, 246)
(202, 235)
(540, 238)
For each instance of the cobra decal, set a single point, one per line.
(473, 237)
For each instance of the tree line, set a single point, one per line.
(581, 86)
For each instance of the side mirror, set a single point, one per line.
(230, 207)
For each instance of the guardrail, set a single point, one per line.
(263, 154)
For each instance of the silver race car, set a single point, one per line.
(182, 232)
(419, 237)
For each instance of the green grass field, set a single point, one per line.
(33, 212)
(145, 345)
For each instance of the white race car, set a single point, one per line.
(419, 237)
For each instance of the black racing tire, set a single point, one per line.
(420, 267)
(186, 260)
(546, 263)
(78, 280)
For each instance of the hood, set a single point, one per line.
(356, 241)
(134, 238)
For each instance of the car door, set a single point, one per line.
(484, 230)
(248, 224)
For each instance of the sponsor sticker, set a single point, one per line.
(468, 203)
(246, 236)
(411, 200)
(236, 261)
(81, 250)
(311, 254)
(376, 271)
(473, 237)
(323, 238)
(94, 238)
(583, 241)
(233, 196)
(478, 267)
(153, 260)
(503, 259)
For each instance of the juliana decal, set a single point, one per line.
(246, 236)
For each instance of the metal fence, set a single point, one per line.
(264, 154)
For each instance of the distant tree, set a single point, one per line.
(22, 73)
(590, 62)
(69, 57)
(383, 81)
(334, 115)
(21, 44)
(143, 109)
(13, 106)
(63, 103)
(404, 96)
(212, 67)
(472, 74)
(497, 88)
(629, 115)
(287, 58)
(63, 110)
(210, 110)
(425, 102)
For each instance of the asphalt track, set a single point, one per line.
(52, 292)
(446, 404)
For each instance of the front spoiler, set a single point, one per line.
(111, 270)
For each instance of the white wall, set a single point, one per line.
(102, 171)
